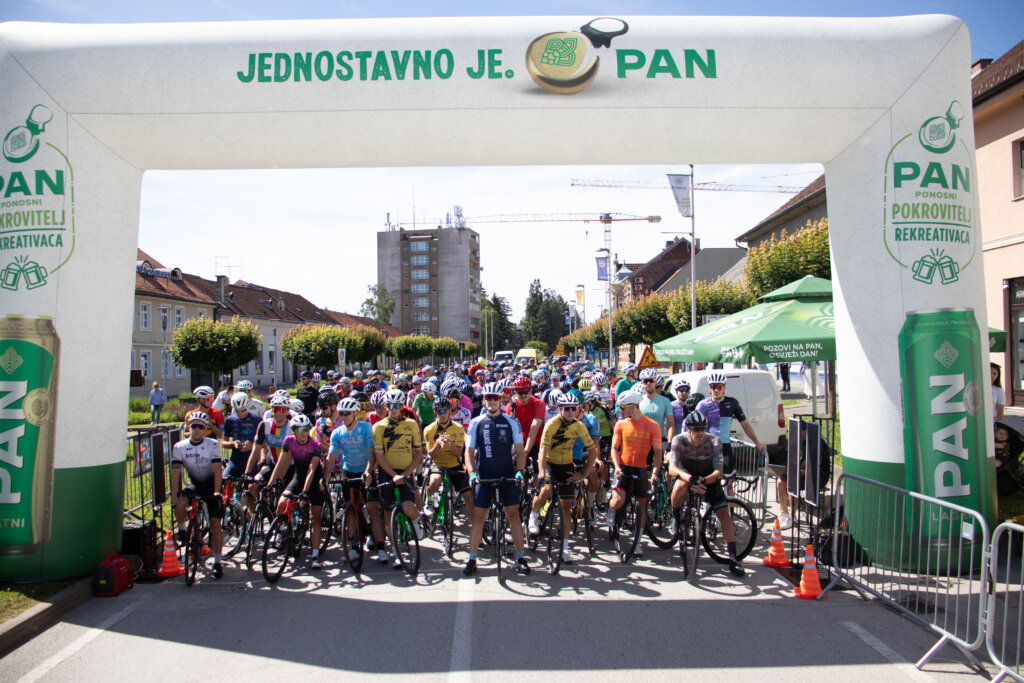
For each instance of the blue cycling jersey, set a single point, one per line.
(593, 428)
(494, 440)
(241, 429)
(355, 446)
(721, 415)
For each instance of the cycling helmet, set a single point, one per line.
(630, 398)
(521, 382)
(465, 386)
(331, 374)
(696, 420)
(552, 398)
(394, 396)
(599, 380)
(591, 396)
(416, 379)
(281, 392)
(429, 388)
(358, 374)
(240, 400)
(377, 399)
(361, 397)
(564, 400)
(565, 386)
(348, 405)
(682, 385)
(441, 403)
(716, 378)
(326, 398)
(584, 385)
(450, 389)
(244, 385)
(279, 401)
(648, 373)
(202, 392)
(693, 399)
(344, 380)
(300, 423)
(297, 405)
(628, 368)
(316, 376)
(197, 416)
(493, 389)
(659, 381)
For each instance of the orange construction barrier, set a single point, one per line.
(776, 550)
(170, 567)
(809, 587)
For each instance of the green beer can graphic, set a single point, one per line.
(944, 413)
(29, 359)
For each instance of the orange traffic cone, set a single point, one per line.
(170, 567)
(776, 550)
(809, 587)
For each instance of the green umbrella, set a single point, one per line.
(772, 332)
(996, 340)
(808, 286)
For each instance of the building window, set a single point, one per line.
(421, 329)
(271, 352)
(179, 371)
(421, 317)
(420, 302)
(166, 366)
(165, 319)
(259, 363)
(243, 370)
(420, 288)
(420, 274)
(179, 316)
(146, 363)
(201, 314)
(419, 246)
(144, 310)
(1018, 168)
(420, 260)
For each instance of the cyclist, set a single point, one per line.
(629, 372)
(555, 463)
(239, 434)
(696, 461)
(594, 429)
(398, 449)
(306, 481)
(377, 404)
(679, 410)
(255, 405)
(307, 393)
(601, 387)
(721, 410)
(327, 400)
(656, 406)
(204, 397)
(530, 411)
(200, 457)
(451, 389)
(351, 451)
(592, 405)
(634, 438)
(223, 399)
(445, 442)
(423, 404)
(495, 451)
(270, 436)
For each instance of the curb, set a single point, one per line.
(33, 620)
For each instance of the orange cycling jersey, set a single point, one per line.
(633, 439)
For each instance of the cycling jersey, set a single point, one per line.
(700, 460)
(678, 415)
(197, 459)
(594, 429)
(462, 415)
(216, 419)
(446, 455)
(633, 439)
(273, 436)
(659, 409)
(240, 429)
(494, 440)
(721, 415)
(559, 436)
(423, 404)
(527, 412)
(322, 428)
(604, 425)
(624, 385)
(396, 441)
(302, 453)
(355, 446)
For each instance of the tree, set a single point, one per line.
(540, 346)
(313, 345)
(720, 297)
(642, 321)
(789, 257)
(444, 347)
(545, 315)
(380, 305)
(411, 346)
(363, 343)
(497, 312)
(216, 346)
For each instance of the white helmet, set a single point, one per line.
(297, 405)
(240, 400)
(377, 398)
(567, 400)
(316, 376)
(394, 396)
(630, 398)
(648, 373)
(716, 378)
(278, 401)
(348, 405)
(300, 422)
(244, 385)
(202, 392)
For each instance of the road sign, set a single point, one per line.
(590, 349)
(648, 360)
(341, 359)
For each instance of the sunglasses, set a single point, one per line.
(492, 397)
(716, 386)
(281, 409)
(395, 406)
(345, 414)
(197, 425)
(647, 381)
(697, 429)
(568, 409)
(522, 392)
(301, 430)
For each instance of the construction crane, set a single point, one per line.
(710, 187)
(460, 222)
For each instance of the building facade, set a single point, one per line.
(434, 277)
(998, 99)
(807, 205)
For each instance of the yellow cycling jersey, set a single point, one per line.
(447, 455)
(559, 436)
(396, 441)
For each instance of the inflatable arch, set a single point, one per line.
(884, 104)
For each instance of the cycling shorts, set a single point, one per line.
(633, 482)
(316, 491)
(508, 494)
(386, 494)
(727, 464)
(714, 495)
(458, 476)
(559, 474)
(214, 503)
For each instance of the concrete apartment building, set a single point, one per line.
(998, 98)
(434, 276)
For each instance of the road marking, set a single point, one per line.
(905, 667)
(462, 633)
(74, 646)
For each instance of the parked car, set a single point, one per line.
(502, 356)
(528, 357)
(759, 398)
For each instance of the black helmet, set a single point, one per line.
(696, 420)
(442, 402)
(360, 396)
(326, 398)
(693, 399)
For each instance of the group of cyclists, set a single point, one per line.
(490, 432)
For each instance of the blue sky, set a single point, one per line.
(180, 204)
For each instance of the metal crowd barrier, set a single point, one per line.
(147, 472)
(752, 485)
(924, 557)
(1006, 611)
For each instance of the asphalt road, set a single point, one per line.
(598, 620)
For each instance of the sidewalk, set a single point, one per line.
(42, 616)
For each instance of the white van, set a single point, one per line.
(502, 356)
(759, 398)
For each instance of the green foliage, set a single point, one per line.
(472, 350)
(186, 396)
(216, 346)
(313, 345)
(445, 347)
(138, 405)
(495, 310)
(136, 417)
(541, 346)
(380, 305)
(643, 321)
(783, 260)
(545, 315)
(411, 347)
(363, 343)
(713, 298)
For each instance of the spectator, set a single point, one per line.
(998, 395)
(157, 398)
(784, 375)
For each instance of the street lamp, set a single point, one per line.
(620, 276)
(606, 253)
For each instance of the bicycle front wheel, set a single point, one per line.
(659, 523)
(233, 528)
(326, 525)
(349, 542)
(556, 532)
(744, 523)
(588, 527)
(277, 548)
(257, 529)
(448, 521)
(193, 551)
(407, 547)
(691, 543)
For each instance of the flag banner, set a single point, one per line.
(579, 298)
(681, 189)
(602, 268)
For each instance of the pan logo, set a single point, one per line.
(562, 63)
(36, 205)
(929, 201)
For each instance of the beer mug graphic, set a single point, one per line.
(949, 270)
(924, 269)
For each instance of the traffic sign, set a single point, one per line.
(590, 349)
(648, 360)
(341, 358)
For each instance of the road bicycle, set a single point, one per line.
(286, 536)
(260, 518)
(406, 545)
(444, 513)
(626, 528)
(351, 514)
(233, 524)
(498, 522)
(658, 524)
(196, 533)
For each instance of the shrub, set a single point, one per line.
(136, 417)
(138, 405)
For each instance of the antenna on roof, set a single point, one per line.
(222, 263)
